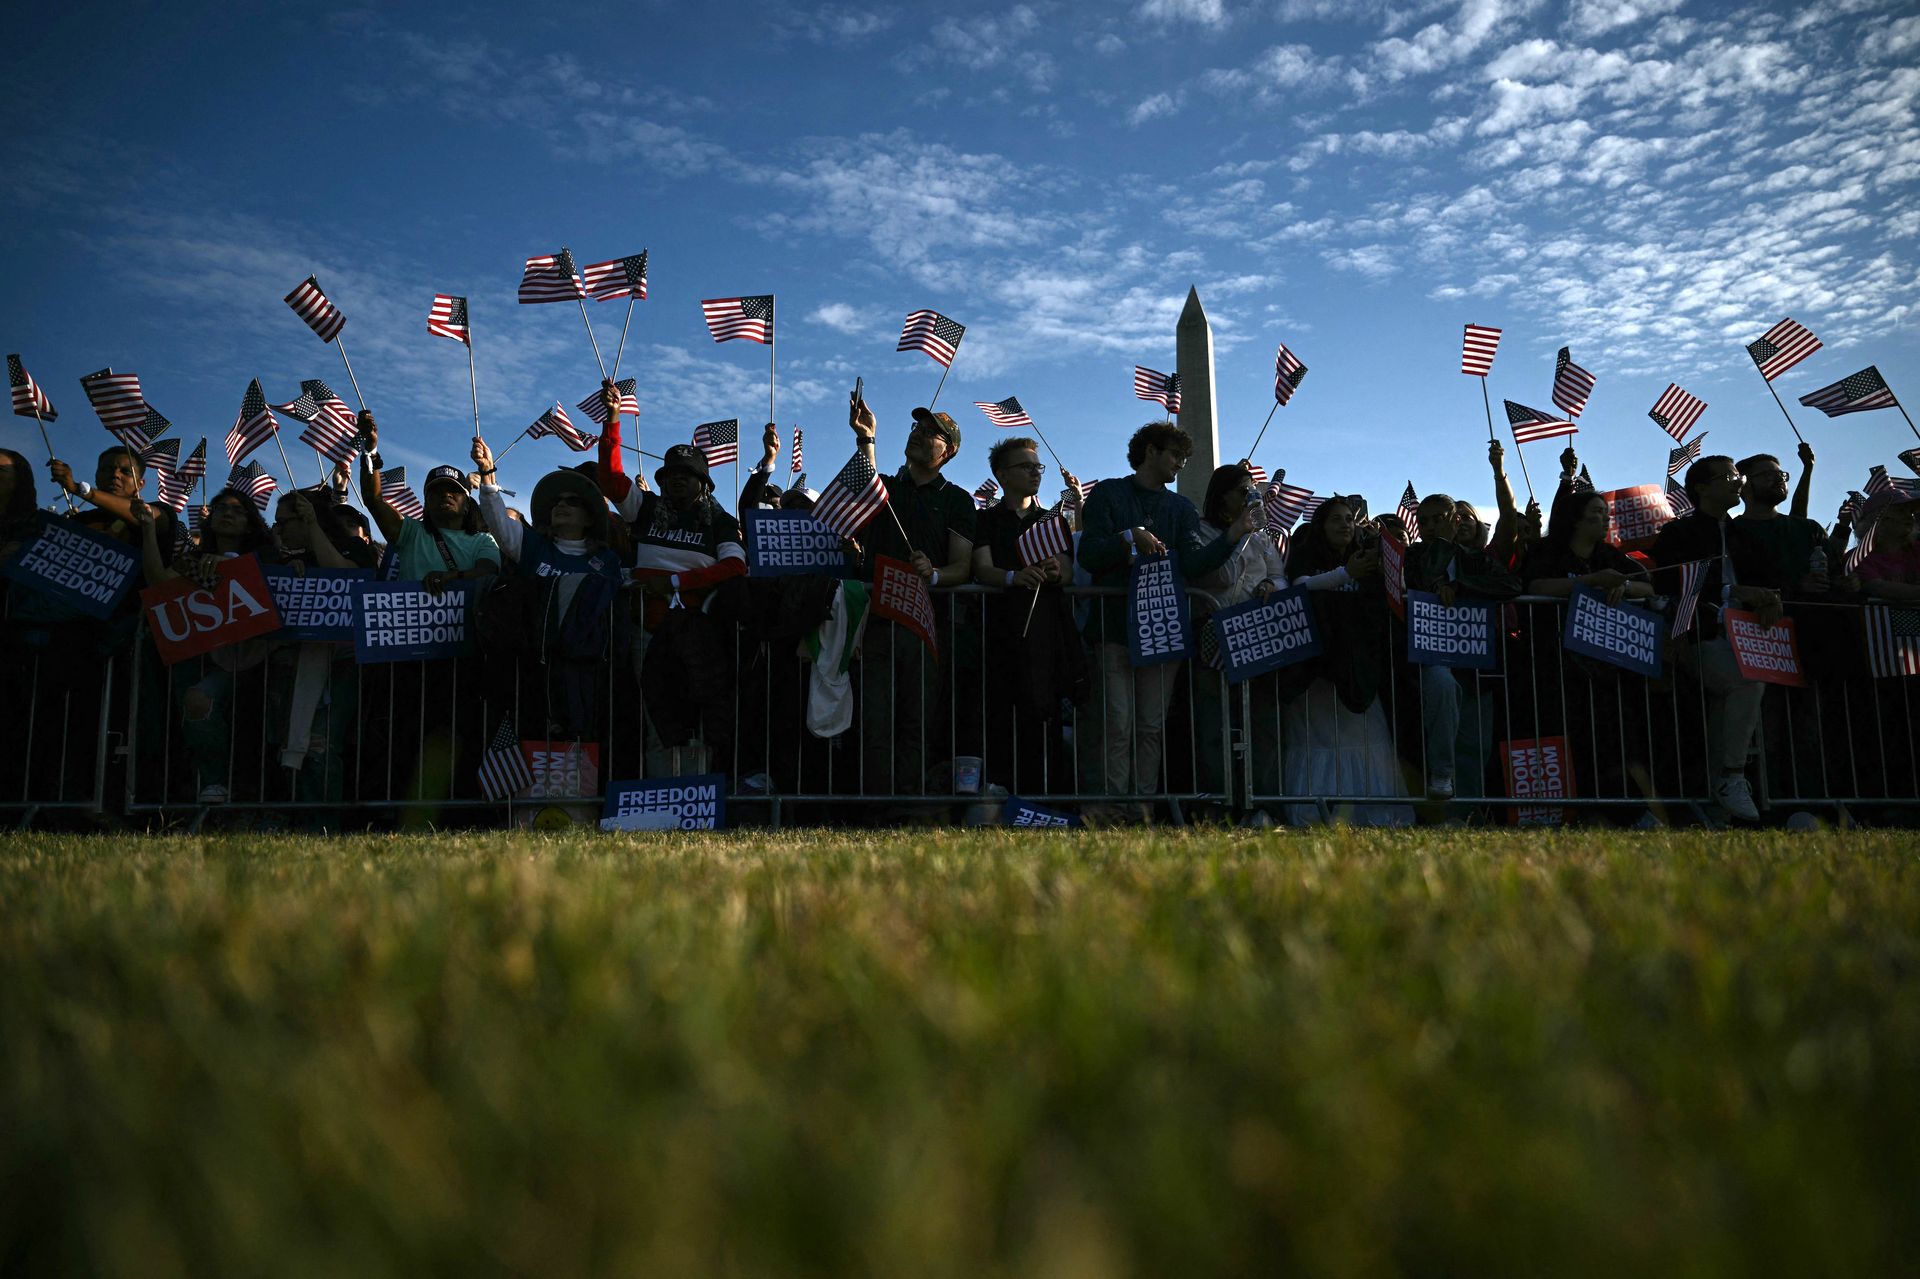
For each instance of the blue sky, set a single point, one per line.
(1652, 181)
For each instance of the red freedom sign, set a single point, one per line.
(1634, 515)
(188, 619)
(1393, 567)
(901, 594)
(1767, 653)
(1537, 768)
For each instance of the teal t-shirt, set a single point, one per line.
(416, 555)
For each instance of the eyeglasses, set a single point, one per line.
(1038, 468)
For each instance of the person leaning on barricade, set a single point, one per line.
(1734, 563)
(907, 698)
(1038, 659)
(685, 548)
(1126, 518)
(1456, 727)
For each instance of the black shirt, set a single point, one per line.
(1698, 537)
(929, 512)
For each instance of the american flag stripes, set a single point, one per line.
(720, 441)
(1582, 483)
(933, 333)
(404, 501)
(851, 498)
(252, 427)
(1781, 347)
(195, 466)
(1686, 455)
(253, 480)
(556, 422)
(984, 495)
(1532, 424)
(331, 438)
(176, 483)
(1005, 413)
(1893, 640)
(629, 389)
(1911, 458)
(1675, 411)
(152, 427)
(503, 769)
(1313, 505)
(1572, 385)
(552, 278)
(1151, 385)
(798, 465)
(328, 406)
(28, 399)
(622, 277)
(311, 305)
(447, 318)
(161, 456)
(1863, 548)
(1285, 503)
(1044, 540)
(1257, 471)
(1288, 374)
(1408, 511)
(1854, 393)
(749, 318)
(1477, 347)
(1691, 577)
(116, 398)
(1895, 489)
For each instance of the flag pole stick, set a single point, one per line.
(596, 342)
(1050, 453)
(342, 348)
(292, 483)
(1263, 429)
(1487, 404)
(1896, 404)
(1033, 604)
(1522, 455)
(473, 385)
(620, 350)
(510, 443)
(1783, 409)
(48, 441)
(943, 381)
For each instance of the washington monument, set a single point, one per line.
(1193, 344)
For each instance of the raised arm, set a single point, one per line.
(388, 519)
(1803, 491)
(493, 507)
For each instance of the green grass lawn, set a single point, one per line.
(961, 1054)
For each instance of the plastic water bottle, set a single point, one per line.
(1817, 562)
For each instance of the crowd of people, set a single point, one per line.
(617, 611)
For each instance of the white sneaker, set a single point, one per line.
(758, 784)
(1440, 787)
(213, 794)
(1736, 796)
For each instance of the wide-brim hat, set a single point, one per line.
(556, 483)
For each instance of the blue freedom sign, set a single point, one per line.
(1265, 634)
(316, 605)
(1024, 812)
(793, 544)
(1628, 637)
(87, 571)
(1460, 636)
(402, 622)
(671, 803)
(1159, 628)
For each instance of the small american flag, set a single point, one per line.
(252, 427)
(1781, 347)
(116, 398)
(552, 278)
(1893, 640)
(933, 333)
(556, 422)
(1409, 510)
(1863, 549)
(447, 318)
(1686, 455)
(1898, 490)
(1583, 482)
(1314, 504)
(393, 488)
(1288, 374)
(173, 491)
(1044, 540)
(1911, 457)
(1531, 424)
(28, 399)
(1677, 500)
(622, 277)
(1855, 393)
(503, 769)
(253, 480)
(1572, 385)
(749, 318)
(984, 495)
(720, 441)
(1257, 471)
(1675, 411)
(311, 305)
(330, 407)
(1691, 577)
(851, 498)
(798, 465)
(1285, 503)
(152, 427)
(161, 456)
(1005, 413)
(196, 464)
(331, 438)
(1477, 348)
(629, 389)
(1151, 385)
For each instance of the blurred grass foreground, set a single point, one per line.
(981, 1053)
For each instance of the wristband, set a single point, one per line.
(1010, 576)
(83, 489)
(936, 578)
(488, 471)
(1128, 534)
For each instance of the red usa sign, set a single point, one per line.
(188, 619)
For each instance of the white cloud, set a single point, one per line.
(1440, 45)
(1002, 44)
(1152, 108)
(1206, 13)
(1589, 18)
(838, 316)
(1280, 73)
